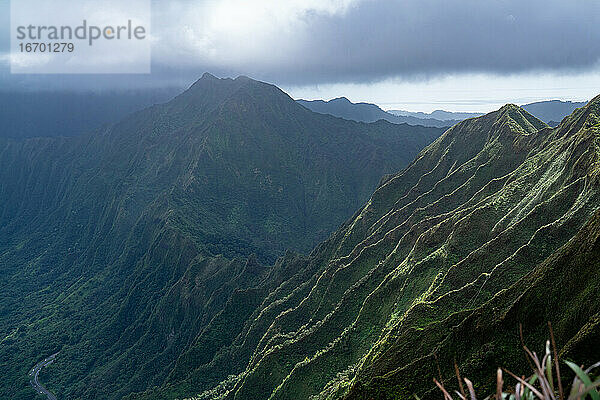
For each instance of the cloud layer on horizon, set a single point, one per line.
(301, 42)
(306, 42)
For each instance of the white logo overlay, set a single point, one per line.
(80, 37)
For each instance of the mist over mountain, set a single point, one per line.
(70, 113)
(65, 113)
(366, 112)
(135, 237)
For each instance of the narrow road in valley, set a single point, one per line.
(35, 372)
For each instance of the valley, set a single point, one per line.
(461, 244)
(362, 200)
(119, 247)
(158, 283)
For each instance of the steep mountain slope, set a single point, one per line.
(118, 248)
(493, 224)
(366, 112)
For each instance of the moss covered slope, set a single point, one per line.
(435, 262)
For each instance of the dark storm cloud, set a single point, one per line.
(304, 42)
(421, 38)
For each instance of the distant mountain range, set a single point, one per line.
(440, 115)
(45, 114)
(157, 256)
(551, 112)
(366, 112)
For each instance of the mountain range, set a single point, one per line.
(56, 113)
(119, 247)
(494, 225)
(64, 113)
(151, 254)
(366, 112)
(440, 115)
(551, 112)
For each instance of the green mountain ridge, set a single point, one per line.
(548, 111)
(492, 225)
(119, 248)
(367, 112)
(144, 252)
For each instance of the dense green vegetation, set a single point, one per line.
(140, 250)
(494, 224)
(147, 252)
(546, 382)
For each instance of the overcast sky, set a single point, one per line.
(410, 54)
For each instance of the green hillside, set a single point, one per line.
(492, 225)
(119, 248)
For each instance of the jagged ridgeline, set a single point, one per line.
(118, 248)
(494, 224)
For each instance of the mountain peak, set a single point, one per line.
(510, 111)
(510, 107)
(595, 101)
(209, 92)
(593, 109)
(591, 112)
(208, 76)
(207, 79)
(519, 119)
(210, 79)
(340, 100)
